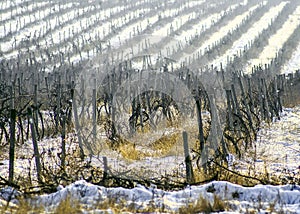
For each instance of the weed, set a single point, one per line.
(68, 206)
(202, 205)
(24, 206)
(164, 144)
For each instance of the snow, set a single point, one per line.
(14, 24)
(169, 37)
(277, 148)
(17, 11)
(27, 31)
(239, 199)
(127, 33)
(133, 44)
(253, 32)
(122, 36)
(293, 63)
(217, 36)
(5, 4)
(199, 28)
(276, 41)
(279, 144)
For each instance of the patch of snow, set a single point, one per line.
(217, 36)
(276, 41)
(286, 198)
(279, 144)
(293, 63)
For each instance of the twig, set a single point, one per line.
(12, 184)
(241, 175)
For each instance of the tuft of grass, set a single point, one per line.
(129, 152)
(164, 144)
(116, 205)
(219, 205)
(204, 206)
(68, 206)
(126, 148)
(24, 206)
(161, 146)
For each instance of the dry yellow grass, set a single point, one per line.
(202, 205)
(159, 147)
(68, 206)
(163, 145)
(24, 206)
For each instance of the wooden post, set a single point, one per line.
(279, 92)
(265, 100)
(105, 168)
(200, 125)
(94, 100)
(12, 136)
(77, 126)
(35, 145)
(140, 103)
(230, 120)
(235, 101)
(188, 162)
(152, 124)
(82, 97)
(63, 142)
(216, 133)
(35, 111)
(250, 95)
(261, 104)
(248, 112)
(276, 95)
(58, 99)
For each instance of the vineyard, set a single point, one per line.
(145, 92)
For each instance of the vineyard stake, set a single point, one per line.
(188, 162)
(12, 136)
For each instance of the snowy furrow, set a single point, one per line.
(84, 23)
(252, 33)
(158, 35)
(30, 31)
(293, 63)
(202, 26)
(179, 37)
(123, 34)
(126, 34)
(37, 12)
(53, 40)
(276, 41)
(59, 33)
(147, 42)
(174, 25)
(217, 36)
(19, 11)
(7, 4)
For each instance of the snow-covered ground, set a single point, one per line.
(170, 38)
(293, 63)
(217, 36)
(122, 28)
(277, 151)
(278, 145)
(276, 41)
(17, 10)
(201, 26)
(254, 31)
(235, 198)
(127, 34)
